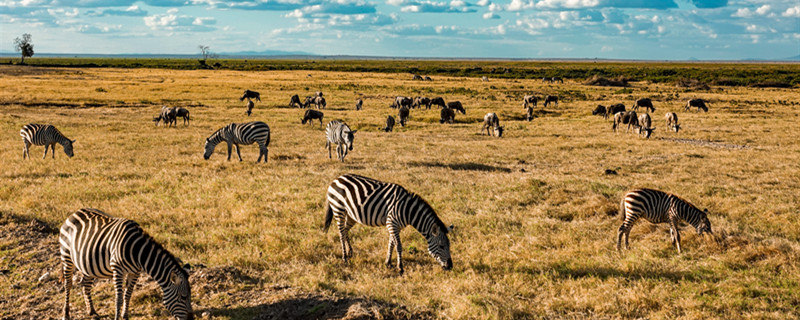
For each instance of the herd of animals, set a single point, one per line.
(96, 245)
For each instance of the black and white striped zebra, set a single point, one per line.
(355, 199)
(337, 132)
(660, 207)
(235, 134)
(44, 135)
(99, 246)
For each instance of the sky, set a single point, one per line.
(536, 29)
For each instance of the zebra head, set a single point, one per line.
(498, 131)
(676, 127)
(439, 246)
(177, 295)
(349, 136)
(209, 148)
(705, 224)
(648, 132)
(68, 148)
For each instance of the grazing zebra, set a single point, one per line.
(168, 115)
(183, 113)
(250, 106)
(359, 104)
(529, 100)
(44, 135)
(646, 125)
(402, 114)
(529, 113)
(339, 133)
(99, 246)
(491, 120)
(319, 101)
(235, 134)
(310, 115)
(389, 124)
(355, 199)
(660, 207)
(250, 95)
(550, 99)
(672, 121)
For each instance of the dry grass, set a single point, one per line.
(534, 237)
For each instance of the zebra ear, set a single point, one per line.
(435, 232)
(705, 210)
(353, 131)
(450, 228)
(187, 267)
(174, 278)
(73, 141)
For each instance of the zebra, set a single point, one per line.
(355, 199)
(660, 207)
(339, 133)
(240, 133)
(249, 106)
(168, 115)
(44, 135)
(99, 246)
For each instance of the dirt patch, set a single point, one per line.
(708, 143)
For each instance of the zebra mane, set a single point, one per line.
(157, 246)
(427, 205)
(689, 204)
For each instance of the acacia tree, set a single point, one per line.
(24, 46)
(205, 51)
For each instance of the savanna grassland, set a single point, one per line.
(534, 211)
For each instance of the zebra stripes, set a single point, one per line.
(235, 134)
(44, 135)
(337, 132)
(660, 207)
(99, 246)
(355, 199)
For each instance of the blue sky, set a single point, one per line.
(636, 29)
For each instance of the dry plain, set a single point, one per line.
(534, 212)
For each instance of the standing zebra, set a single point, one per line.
(660, 207)
(44, 135)
(240, 133)
(355, 199)
(339, 133)
(99, 246)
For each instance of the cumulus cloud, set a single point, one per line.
(491, 15)
(172, 21)
(427, 6)
(793, 12)
(132, 11)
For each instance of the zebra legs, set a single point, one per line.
(119, 281)
(86, 284)
(130, 284)
(45, 152)
(345, 223)
(25, 153)
(328, 145)
(239, 154)
(676, 238)
(67, 268)
(262, 151)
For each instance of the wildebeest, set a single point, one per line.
(614, 108)
(310, 115)
(319, 102)
(643, 102)
(359, 104)
(556, 79)
(698, 103)
(183, 113)
(629, 118)
(250, 106)
(439, 102)
(546, 79)
(601, 111)
(417, 77)
(550, 99)
(490, 120)
(645, 125)
(389, 124)
(457, 106)
(250, 95)
(167, 115)
(672, 122)
(403, 102)
(529, 113)
(427, 78)
(529, 100)
(309, 101)
(447, 115)
(403, 115)
(420, 101)
(295, 100)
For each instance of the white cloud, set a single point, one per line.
(570, 4)
(172, 21)
(762, 10)
(495, 7)
(519, 5)
(491, 15)
(793, 12)
(482, 3)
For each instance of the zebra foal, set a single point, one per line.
(235, 134)
(660, 207)
(44, 135)
(337, 132)
(99, 246)
(355, 199)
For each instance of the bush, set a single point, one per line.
(771, 84)
(693, 84)
(596, 80)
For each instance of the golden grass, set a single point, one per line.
(533, 237)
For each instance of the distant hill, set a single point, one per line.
(265, 53)
(795, 58)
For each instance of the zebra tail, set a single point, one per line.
(328, 217)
